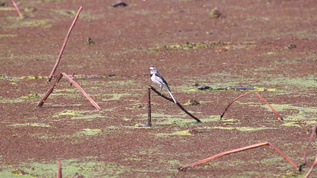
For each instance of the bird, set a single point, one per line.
(157, 78)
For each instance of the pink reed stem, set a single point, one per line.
(17, 8)
(64, 45)
(82, 91)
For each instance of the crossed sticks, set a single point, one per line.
(63, 74)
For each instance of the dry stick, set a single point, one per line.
(311, 168)
(59, 170)
(149, 123)
(234, 101)
(184, 168)
(278, 115)
(82, 91)
(73, 75)
(72, 82)
(179, 105)
(308, 145)
(50, 90)
(17, 8)
(64, 45)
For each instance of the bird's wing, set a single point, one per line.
(162, 81)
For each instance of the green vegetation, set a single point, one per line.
(32, 125)
(245, 129)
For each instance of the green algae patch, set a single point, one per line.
(271, 53)
(32, 95)
(174, 162)
(84, 167)
(142, 126)
(212, 118)
(180, 123)
(126, 119)
(163, 119)
(187, 45)
(292, 124)
(198, 87)
(303, 83)
(7, 35)
(32, 125)
(180, 133)
(18, 79)
(192, 102)
(133, 158)
(11, 101)
(63, 91)
(68, 112)
(244, 129)
(79, 115)
(85, 15)
(28, 77)
(295, 112)
(183, 132)
(92, 131)
(230, 120)
(31, 77)
(115, 96)
(36, 23)
(89, 117)
(135, 106)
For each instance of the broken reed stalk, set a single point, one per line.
(233, 102)
(64, 45)
(72, 82)
(184, 168)
(17, 8)
(82, 91)
(149, 119)
(59, 170)
(50, 90)
(311, 168)
(178, 104)
(73, 75)
(308, 145)
(276, 113)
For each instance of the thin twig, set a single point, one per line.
(184, 168)
(277, 114)
(17, 8)
(308, 145)
(233, 102)
(64, 45)
(311, 168)
(149, 107)
(59, 170)
(72, 82)
(73, 75)
(82, 91)
(178, 104)
(50, 91)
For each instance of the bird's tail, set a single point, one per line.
(172, 96)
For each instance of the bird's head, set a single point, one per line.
(153, 70)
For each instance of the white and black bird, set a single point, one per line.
(157, 78)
